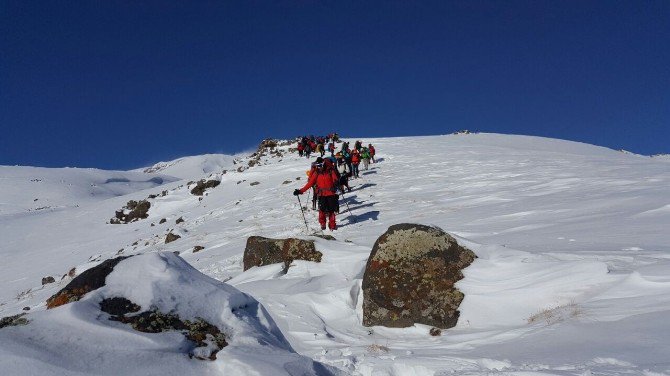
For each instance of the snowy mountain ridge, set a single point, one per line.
(572, 274)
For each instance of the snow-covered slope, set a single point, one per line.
(33, 189)
(192, 167)
(573, 274)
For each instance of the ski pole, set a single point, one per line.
(303, 213)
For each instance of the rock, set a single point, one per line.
(198, 248)
(410, 275)
(15, 320)
(208, 338)
(179, 220)
(87, 281)
(287, 182)
(202, 185)
(118, 306)
(435, 332)
(47, 280)
(254, 183)
(133, 211)
(170, 237)
(26, 308)
(324, 236)
(261, 251)
(72, 272)
(163, 220)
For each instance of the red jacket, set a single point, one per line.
(326, 183)
(355, 158)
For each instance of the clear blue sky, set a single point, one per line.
(122, 84)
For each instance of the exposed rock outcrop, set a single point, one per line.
(410, 276)
(15, 320)
(87, 281)
(170, 237)
(203, 185)
(207, 338)
(133, 211)
(264, 251)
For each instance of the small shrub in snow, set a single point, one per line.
(557, 314)
(377, 349)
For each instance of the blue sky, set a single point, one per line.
(122, 84)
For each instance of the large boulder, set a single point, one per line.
(264, 251)
(90, 280)
(410, 276)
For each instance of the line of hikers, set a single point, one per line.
(330, 175)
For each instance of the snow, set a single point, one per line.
(191, 167)
(572, 275)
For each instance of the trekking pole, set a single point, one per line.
(346, 203)
(303, 213)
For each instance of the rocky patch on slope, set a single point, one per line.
(261, 251)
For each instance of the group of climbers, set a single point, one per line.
(330, 175)
(317, 144)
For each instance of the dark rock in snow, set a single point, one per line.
(179, 220)
(87, 281)
(198, 248)
(410, 276)
(261, 251)
(118, 306)
(133, 211)
(47, 280)
(15, 320)
(203, 185)
(163, 220)
(254, 183)
(170, 237)
(208, 338)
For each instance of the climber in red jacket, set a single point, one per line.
(326, 181)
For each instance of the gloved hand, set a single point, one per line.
(296, 192)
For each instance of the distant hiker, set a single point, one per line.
(372, 152)
(336, 137)
(358, 145)
(326, 181)
(365, 157)
(308, 149)
(320, 149)
(331, 148)
(344, 171)
(355, 161)
(301, 148)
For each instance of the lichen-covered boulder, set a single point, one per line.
(87, 281)
(410, 276)
(264, 251)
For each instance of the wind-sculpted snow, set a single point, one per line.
(78, 338)
(572, 274)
